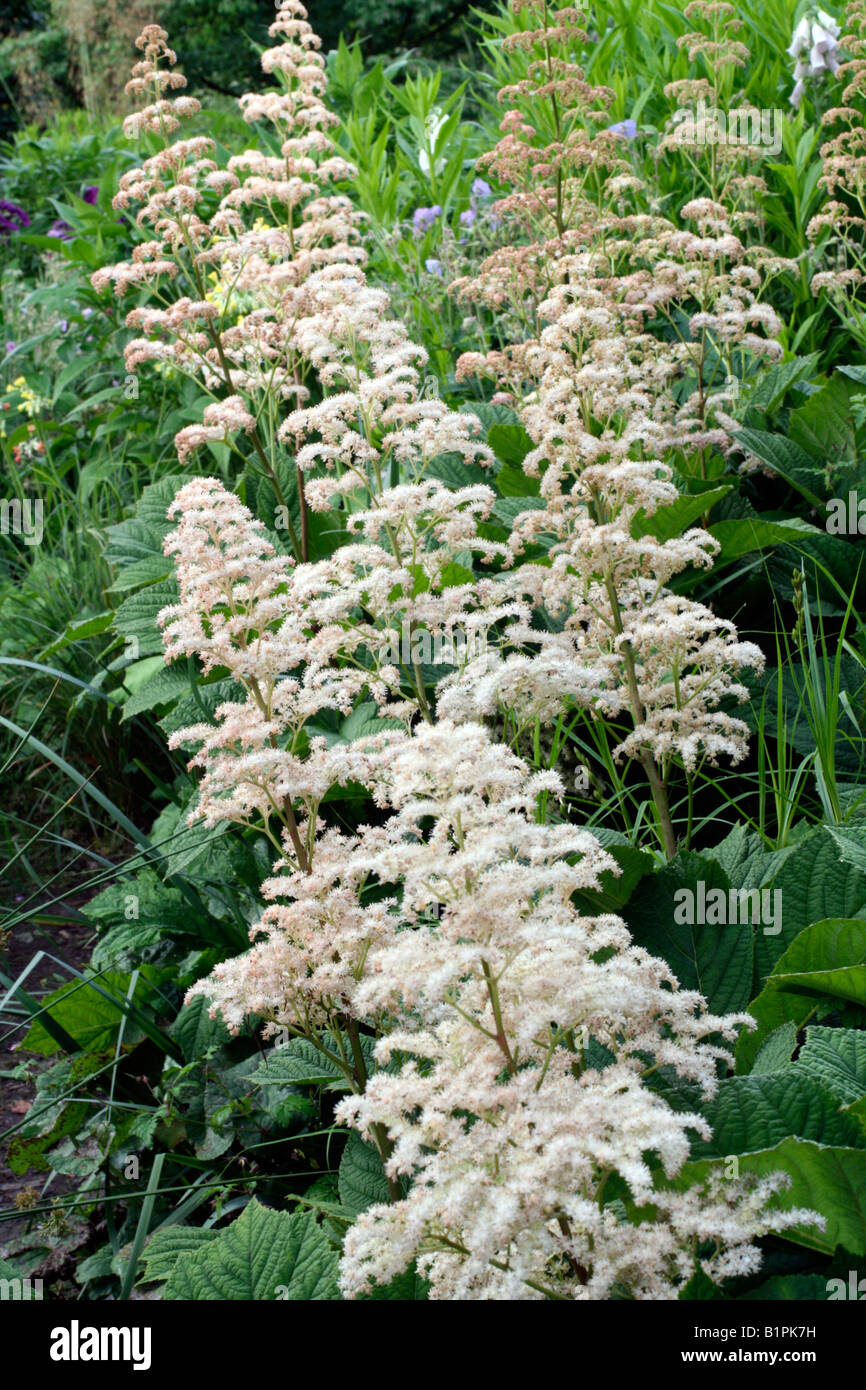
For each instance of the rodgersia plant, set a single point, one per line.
(523, 1032)
(628, 370)
(505, 1052)
(230, 249)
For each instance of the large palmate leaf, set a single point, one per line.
(775, 381)
(454, 471)
(163, 687)
(671, 520)
(837, 1057)
(750, 1113)
(746, 860)
(851, 843)
(135, 547)
(826, 959)
(824, 425)
(136, 914)
(511, 444)
(742, 536)
(776, 1052)
(87, 1010)
(166, 1247)
(789, 460)
(263, 1255)
(299, 1061)
(491, 415)
(816, 885)
(136, 616)
(718, 961)
(195, 1030)
(616, 889)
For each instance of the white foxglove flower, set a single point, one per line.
(814, 45)
(432, 126)
(799, 39)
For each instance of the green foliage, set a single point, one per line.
(264, 1254)
(125, 1075)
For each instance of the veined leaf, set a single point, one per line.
(837, 1056)
(789, 460)
(264, 1255)
(750, 1113)
(166, 1246)
(821, 951)
(361, 1176)
(718, 961)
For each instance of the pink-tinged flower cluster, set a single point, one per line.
(515, 1032)
(512, 1082)
(617, 311)
(230, 248)
(502, 1047)
(602, 421)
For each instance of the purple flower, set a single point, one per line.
(91, 193)
(480, 189)
(10, 347)
(64, 325)
(628, 128)
(423, 219)
(12, 218)
(60, 229)
(433, 266)
(467, 217)
(85, 313)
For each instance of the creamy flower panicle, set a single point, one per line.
(501, 1047)
(239, 242)
(601, 417)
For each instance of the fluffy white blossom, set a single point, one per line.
(523, 1046)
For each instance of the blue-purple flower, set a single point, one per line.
(91, 193)
(432, 266)
(468, 217)
(423, 219)
(60, 229)
(480, 189)
(12, 218)
(628, 128)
